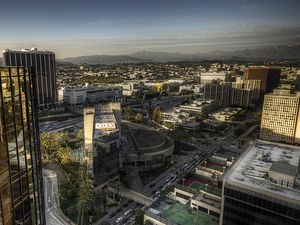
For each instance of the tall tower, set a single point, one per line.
(281, 117)
(269, 77)
(43, 64)
(21, 195)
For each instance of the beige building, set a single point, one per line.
(281, 117)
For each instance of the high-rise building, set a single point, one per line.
(297, 81)
(262, 187)
(219, 92)
(21, 195)
(281, 117)
(102, 140)
(241, 93)
(43, 63)
(270, 78)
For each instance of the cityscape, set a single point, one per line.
(150, 112)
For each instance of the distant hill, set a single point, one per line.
(266, 53)
(103, 59)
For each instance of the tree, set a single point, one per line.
(258, 116)
(139, 118)
(80, 142)
(127, 111)
(86, 199)
(156, 114)
(139, 217)
(148, 222)
(54, 147)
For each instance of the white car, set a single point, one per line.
(127, 212)
(119, 219)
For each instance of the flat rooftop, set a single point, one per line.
(198, 182)
(252, 168)
(148, 138)
(181, 214)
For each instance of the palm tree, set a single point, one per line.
(80, 142)
(156, 114)
(86, 199)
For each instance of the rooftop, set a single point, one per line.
(148, 138)
(105, 121)
(252, 168)
(32, 50)
(183, 215)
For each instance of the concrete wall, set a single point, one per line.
(88, 114)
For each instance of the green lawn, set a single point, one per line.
(199, 186)
(183, 215)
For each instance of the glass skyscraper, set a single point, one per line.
(21, 195)
(43, 64)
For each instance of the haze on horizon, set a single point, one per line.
(90, 27)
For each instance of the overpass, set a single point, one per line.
(133, 195)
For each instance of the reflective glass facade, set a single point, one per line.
(43, 64)
(21, 199)
(246, 209)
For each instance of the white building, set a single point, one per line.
(209, 77)
(76, 97)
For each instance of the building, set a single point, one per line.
(219, 92)
(241, 93)
(242, 97)
(170, 212)
(145, 149)
(280, 117)
(44, 66)
(200, 107)
(76, 97)
(102, 141)
(297, 86)
(21, 185)
(263, 186)
(225, 114)
(270, 78)
(212, 76)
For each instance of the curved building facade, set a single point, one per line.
(145, 149)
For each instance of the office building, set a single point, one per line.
(21, 195)
(280, 117)
(297, 85)
(76, 97)
(262, 186)
(212, 76)
(219, 92)
(270, 78)
(43, 63)
(102, 141)
(200, 107)
(241, 93)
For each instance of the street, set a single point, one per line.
(53, 213)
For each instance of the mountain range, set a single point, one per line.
(265, 53)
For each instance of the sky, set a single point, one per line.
(90, 27)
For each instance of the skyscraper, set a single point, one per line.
(270, 78)
(43, 63)
(281, 117)
(21, 196)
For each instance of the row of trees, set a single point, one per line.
(138, 118)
